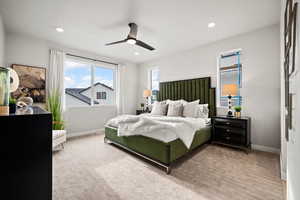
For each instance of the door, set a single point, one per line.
(293, 145)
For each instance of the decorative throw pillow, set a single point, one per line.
(202, 111)
(181, 101)
(175, 110)
(150, 106)
(159, 108)
(189, 108)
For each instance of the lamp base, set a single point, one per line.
(229, 113)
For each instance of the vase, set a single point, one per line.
(237, 114)
(4, 91)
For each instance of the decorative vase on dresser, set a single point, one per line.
(232, 131)
(26, 150)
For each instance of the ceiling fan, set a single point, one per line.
(132, 39)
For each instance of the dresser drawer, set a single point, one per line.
(232, 123)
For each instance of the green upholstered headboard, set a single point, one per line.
(190, 90)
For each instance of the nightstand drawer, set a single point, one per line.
(232, 123)
(228, 129)
(230, 138)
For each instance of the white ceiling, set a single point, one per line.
(168, 25)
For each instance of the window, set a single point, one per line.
(101, 95)
(88, 83)
(154, 84)
(230, 78)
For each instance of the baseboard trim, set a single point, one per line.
(283, 175)
(82, 133)
(265, 148)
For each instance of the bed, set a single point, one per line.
(162, 153)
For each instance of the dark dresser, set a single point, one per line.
(26, 155)
(231, 131)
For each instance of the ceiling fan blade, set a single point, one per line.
(112, 43)
(144, 45)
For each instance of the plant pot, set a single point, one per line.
(237, 114)
(12, 108)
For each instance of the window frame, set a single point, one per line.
(150, 81)
(219, 78)
(102, 95)
(92, 66)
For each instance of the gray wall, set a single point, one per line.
(261, 85)
(21, 49)
(2, 42)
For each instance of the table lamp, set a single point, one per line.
(229, 90)
(147, 94)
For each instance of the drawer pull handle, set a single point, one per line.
(227, 130)
(228, 123)
(227, 138)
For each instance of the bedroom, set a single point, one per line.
(210, 51)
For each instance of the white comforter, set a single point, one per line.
(147, 125)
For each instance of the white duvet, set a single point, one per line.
(159, 127)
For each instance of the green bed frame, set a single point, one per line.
(165, 154)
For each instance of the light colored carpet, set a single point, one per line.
(88, 169)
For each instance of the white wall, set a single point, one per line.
(22, 49)
(2, 42)
(261, 85)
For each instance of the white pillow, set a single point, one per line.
(202, 111)
(190, 108)
(181, 101)
(159, 108)
(150, 106)
(175, 110)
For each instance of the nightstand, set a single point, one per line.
(232, 132)
(138, 112)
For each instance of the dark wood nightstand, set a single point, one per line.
(232, 131)
(138, 112)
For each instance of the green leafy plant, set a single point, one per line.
(237, 108)
(54, 106)
(12, 100)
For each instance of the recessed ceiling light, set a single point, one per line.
(59, 29)
(211, 25)
(136, 53)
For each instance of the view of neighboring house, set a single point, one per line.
(103, 94)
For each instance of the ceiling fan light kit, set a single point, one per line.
(131, 41)
(132, 38)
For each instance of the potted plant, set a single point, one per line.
(237, 110)
(12, 105)
(54, 106)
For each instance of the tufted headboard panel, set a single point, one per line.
(190, 90)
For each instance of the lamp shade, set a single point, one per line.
(147, 93)
(230, 89)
